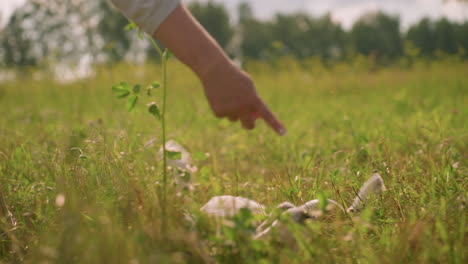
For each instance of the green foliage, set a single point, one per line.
(199, 156)
(136, 89)
(155, 85)
(121, 90)
(63, 31)
(154, 110)
(131, 102)
(151, 87)
(110, 26)
(16, 47)
(446, 39)
(245, 13)
(174, 155)
(440, 35)
(257, 38)
(130, 26)
(423, 36)
(377, 34)
(305, 37)
(215, 19)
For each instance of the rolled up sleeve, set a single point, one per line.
(147, 14)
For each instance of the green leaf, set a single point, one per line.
(121, 90)
(185, 175)
(154, 110)
(125, 85)
(152, 86)
(199, 156)
(136, 89)
(173, 155)
(155, 85)
(130, 26)
(122, 94)
(131, 102)
(168, 54)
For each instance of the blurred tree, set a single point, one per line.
(304, 36)
(110, 28)
(245, 12)
(215, 19)
(462, 33)
(72, 31)
(65, 31)
(377, 34)
(298, 35)
(422, 35)
(257, 37)
(441, 35)
(445, 36)
(234, 48)
(16, 45)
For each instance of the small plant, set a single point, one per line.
(133, 94)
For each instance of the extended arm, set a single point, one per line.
(230, 91)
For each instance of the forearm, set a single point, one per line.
(190, 42)
(230, 91)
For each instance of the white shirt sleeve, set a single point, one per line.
(147, 14)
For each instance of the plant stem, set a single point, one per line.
(156, 47)
(163, 122)
(163, 56)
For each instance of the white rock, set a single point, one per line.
(180, 167)
(314, 205)
(286, 206)
(372, 186)
(228, 206)
(298, 214)
(184, 163)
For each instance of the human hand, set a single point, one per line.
(231, 94)
(230, 91)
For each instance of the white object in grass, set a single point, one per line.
(374, 185)
(228, 206)
(182, 169)
(314, 205)
(185, 161)
(298, 214)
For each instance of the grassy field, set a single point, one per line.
(78, 184)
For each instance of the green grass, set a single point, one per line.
(410, 125)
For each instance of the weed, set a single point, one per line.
(122, 90)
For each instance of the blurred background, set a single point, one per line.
(69, 36)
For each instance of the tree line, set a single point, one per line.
(48, 31)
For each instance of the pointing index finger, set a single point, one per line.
(271, 119)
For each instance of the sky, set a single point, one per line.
(343, 11)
